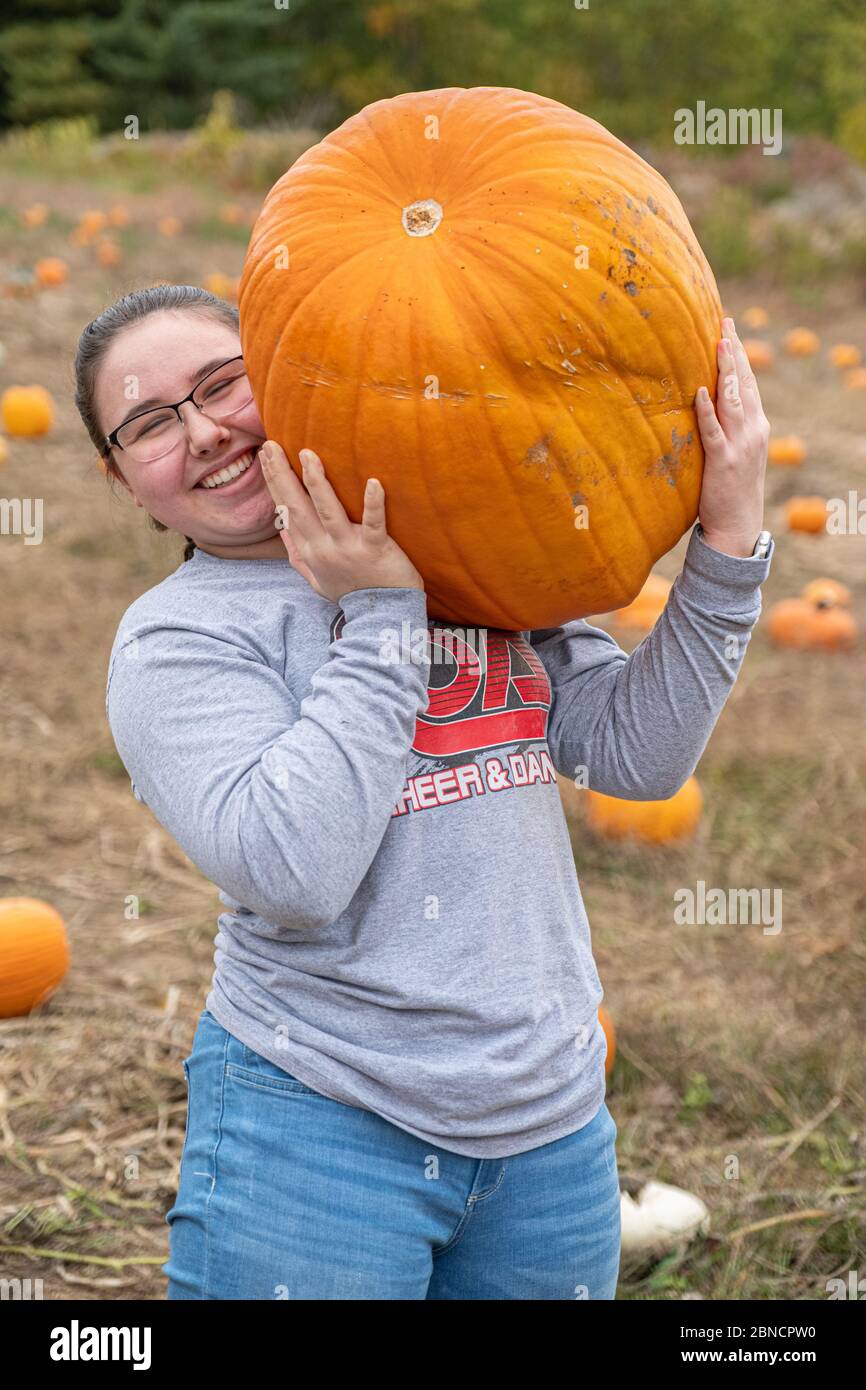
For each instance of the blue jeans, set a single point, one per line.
(287, 1194)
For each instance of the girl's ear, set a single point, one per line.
(120, 478)
(116, 473)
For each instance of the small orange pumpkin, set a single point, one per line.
(35, 216)
(802, 342)
(807, 514)
(644, 611)
(34, 954)
(755, 317)
(606, 1022)
(26, 410)
(761, 356)
(92, 222)
(656, 822)
(856, 380)
(232, 214)
(50, 271)
(826, 591)
(108, 252)
(219, 284)
(845, 355)
(805, 624)
(118, 216)
(788, 450)
(169, 226)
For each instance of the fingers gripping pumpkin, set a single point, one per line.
(491, 304)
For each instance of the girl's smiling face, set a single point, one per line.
(163, 357)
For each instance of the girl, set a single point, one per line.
(396, 1088)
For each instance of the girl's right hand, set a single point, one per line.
(334, 555)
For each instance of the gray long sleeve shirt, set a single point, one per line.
(374, 794)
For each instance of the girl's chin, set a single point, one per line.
(250, 519)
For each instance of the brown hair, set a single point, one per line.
(101, 332)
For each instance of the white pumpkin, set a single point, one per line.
(661, 1218)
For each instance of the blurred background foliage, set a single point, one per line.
(630, 64)
(226, 94)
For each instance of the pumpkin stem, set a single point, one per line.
(422, 218)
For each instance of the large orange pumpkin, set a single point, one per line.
(34, 954)
(491, 304)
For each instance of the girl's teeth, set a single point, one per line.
(233, 470)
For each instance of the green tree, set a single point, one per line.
(630, 64)
(48, 72)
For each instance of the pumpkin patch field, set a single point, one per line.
(739, 1072)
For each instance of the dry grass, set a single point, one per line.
(741, 1073)
(733, 1045)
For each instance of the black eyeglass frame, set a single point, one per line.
(111, 440)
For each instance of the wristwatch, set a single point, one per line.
(762, 544)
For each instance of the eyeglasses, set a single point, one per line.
(153, 433)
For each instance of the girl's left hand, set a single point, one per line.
(735, 439)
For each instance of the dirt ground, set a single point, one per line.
(740, 1072)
